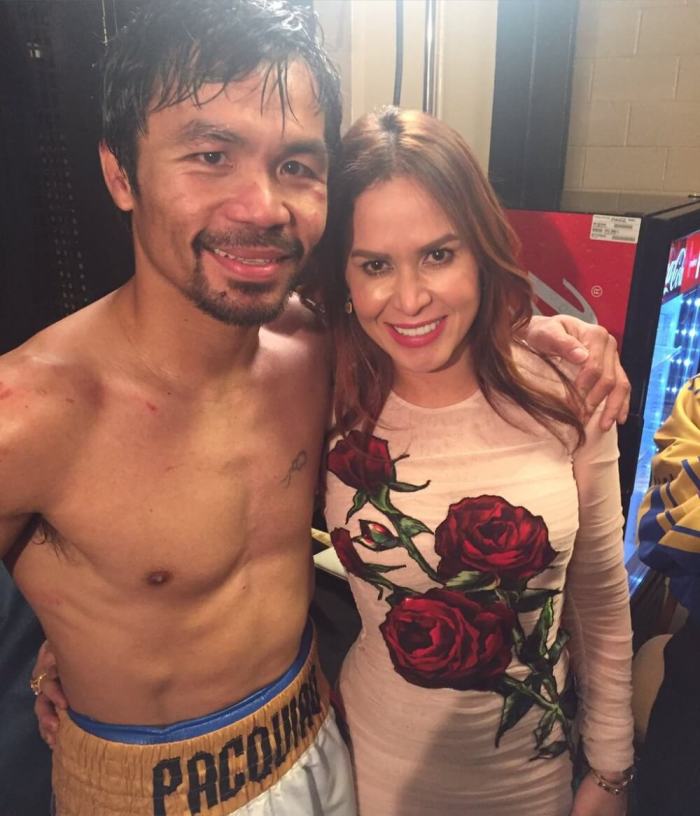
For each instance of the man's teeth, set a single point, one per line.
(418, 331)
(249, 261)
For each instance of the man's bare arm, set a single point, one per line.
(601, 376)
(37, 430)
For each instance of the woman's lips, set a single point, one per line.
(415, 335)
(250, 263)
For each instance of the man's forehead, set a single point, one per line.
(296, 83)
(264, 92)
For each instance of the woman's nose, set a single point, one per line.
(411, 294)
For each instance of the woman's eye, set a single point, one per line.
(296, 168)
(375, 267)
(440, 256)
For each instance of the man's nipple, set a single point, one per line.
(158, 578)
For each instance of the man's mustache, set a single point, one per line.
(289, 247)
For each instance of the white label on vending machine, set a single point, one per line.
(615, 228)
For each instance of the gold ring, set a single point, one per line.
(35, 683)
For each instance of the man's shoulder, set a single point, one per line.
(47, 382)
(45, 412)
(299, 331)
(298, 320)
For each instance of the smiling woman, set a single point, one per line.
(409, 185)
(465, 503)
(415, 290)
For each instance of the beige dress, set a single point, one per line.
(485, 561)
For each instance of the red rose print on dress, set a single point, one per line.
(347, 554)
(466, 630)
(376, 536)
(444, 639)
(362, 461)
(487, 534)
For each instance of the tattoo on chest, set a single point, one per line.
(298, 464)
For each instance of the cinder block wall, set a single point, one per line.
(634, 135)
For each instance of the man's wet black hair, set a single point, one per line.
(171, 48)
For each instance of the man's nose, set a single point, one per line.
(256, 200)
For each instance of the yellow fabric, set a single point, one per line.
(673, 502)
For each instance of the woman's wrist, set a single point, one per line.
(614, 782)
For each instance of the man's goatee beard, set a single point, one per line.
(224, 307)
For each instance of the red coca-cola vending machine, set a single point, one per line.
(640, 278)
(579, 264)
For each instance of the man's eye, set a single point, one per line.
(211, 157)
(296, 168)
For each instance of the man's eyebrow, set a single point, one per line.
(313, 147)
(199, 131)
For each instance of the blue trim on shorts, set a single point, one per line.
(187, 729)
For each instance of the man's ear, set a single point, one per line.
(116, 179)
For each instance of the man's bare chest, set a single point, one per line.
(148, 492)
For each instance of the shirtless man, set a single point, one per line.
(159, 449)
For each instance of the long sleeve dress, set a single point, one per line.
(486, 562)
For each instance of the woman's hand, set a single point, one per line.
(595, 349)
(591, 800)
(46, 685)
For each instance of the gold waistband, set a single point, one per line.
(210, 775)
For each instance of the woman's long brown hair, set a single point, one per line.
(396, 143)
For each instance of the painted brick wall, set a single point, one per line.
(634, 135)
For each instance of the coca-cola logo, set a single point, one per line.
(580, 307)
(674, 273)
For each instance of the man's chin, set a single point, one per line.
(241, 303)
(249, 311)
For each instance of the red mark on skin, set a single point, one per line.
(151, 407)
(5, 392)
(71, 401)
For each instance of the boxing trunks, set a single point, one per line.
(275, 753)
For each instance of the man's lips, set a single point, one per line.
(253, 255)
(250, 263)
(414, 335)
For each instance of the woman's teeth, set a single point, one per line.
(426, 328)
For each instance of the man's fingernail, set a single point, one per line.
(579, 355)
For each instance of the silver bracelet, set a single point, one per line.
(615, 788)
